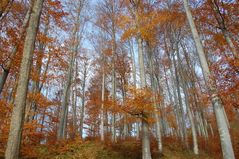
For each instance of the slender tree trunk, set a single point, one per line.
(45, 71)
(65, 97)
(171, 98)
(64, 103)
(146, 153)
(17, 119)
(83, 101)
(114, 96)
(135, 81)
(102, 135)
(113, 72)
(133, 63)
(74, 104)
(176, 105)
(201, 119)
(156, 111)
(180, 102)
(216, 101)
(44, 113)
(193, 127)
(211, 129)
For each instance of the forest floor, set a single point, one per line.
(94, 149)
(124, 150)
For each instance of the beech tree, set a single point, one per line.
(75, 46)
(17, 119)
(216, 101)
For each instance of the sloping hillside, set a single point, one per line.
(97, 150)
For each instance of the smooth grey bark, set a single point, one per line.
(44, 114)
(156, 109)
(135, 81)
(133, 62)
(146, 153)
(46, 70)
(194, 132)
(146, 142)
(211, 129)
(141, 62)
(83, 99)
(113, 137)
(125, 128)
(17, 119)
(175, 97)
(185, 87)
(114, 87)
(109, 8)
(123, 83)
(170, 96)
(102, 134)
(193, 79)
(156, 114)
(193, 127)
(6, 69)
(161, 106)
(64, 104)
(74, 103)
(125, 125)
(181, 112)
(225, 138)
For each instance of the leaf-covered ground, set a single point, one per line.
(125, 150)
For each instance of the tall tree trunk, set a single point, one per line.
(133, 62)
(74, 103)
(176, 105)
(216, 101)
(183, 120)
(102, 135)
(113, 71)
(135, 81)
(193, 127)
(113, 93)
(17, 119)
(193, 80)
(64, 104)
(156, 109)
(83, 100)
(145, 140)
(146, 153)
